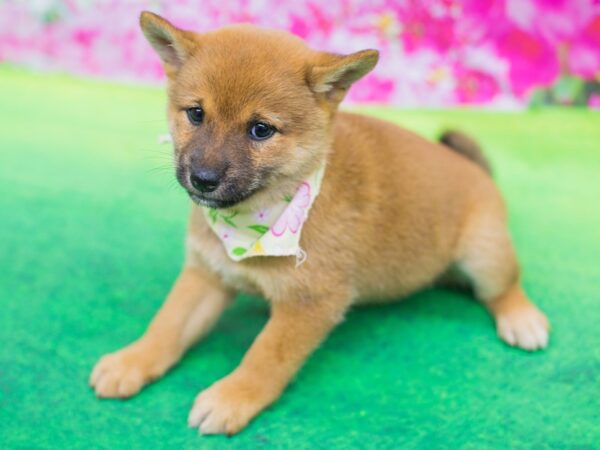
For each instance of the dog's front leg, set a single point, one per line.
(294, 330)
(193, 306)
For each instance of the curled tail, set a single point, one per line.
(463, 144)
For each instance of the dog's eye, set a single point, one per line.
(195, 115)
(260, 131)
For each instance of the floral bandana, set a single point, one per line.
(272, 231)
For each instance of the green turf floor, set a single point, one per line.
(91, 231)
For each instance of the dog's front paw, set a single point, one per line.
(526, 327)
(123, 373)
(228, 405)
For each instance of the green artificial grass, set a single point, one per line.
(91, 237)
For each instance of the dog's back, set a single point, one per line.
(397, 202)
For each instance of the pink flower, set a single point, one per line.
(487, 50)
(262, 214)
(474, 86)
(315, 20)
(295, 213)
(555, 21)
(299, 26)
(533, 61)
(373, 89)
(574, 24)
(594, 101)
(225, 232)
(584, 53)
(85, 36)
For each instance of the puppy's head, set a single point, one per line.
(249, 109)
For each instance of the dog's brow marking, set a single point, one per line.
(271, 118)
(274, 117)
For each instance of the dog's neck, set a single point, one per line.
(272, 229)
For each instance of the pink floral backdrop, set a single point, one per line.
(502, 53)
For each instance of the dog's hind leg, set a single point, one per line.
(487, 257)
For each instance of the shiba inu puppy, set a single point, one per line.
(348, 209)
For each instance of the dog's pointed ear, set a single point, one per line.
(332, 75)
(172, 44)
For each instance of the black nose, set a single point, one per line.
(205, 180)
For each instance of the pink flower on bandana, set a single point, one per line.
(225, 232)
(293, 216)
(262, 214)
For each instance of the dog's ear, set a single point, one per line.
(173, 45)
(332, 75)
